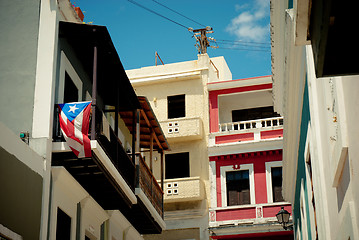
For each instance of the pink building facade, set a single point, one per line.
(245, 157)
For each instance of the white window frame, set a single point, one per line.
(269, 166)
(225, 169)
(66, 67)
(4, 231)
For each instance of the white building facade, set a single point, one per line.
(47, 192)
(315, 90)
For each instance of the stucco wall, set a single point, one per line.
(19, 24)
(21, 190)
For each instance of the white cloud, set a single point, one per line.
(248, 25)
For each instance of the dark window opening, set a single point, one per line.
(253, 114)
(237, 183)
(63, 226)
(177, 165)
(176, 106)
(276, 173)
(71, 93)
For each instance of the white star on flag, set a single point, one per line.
(73, 108)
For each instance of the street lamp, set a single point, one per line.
(283, 218)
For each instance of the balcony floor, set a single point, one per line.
(98, 182)
(94, 178)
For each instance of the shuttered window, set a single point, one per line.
(237, 187)
(276, 173)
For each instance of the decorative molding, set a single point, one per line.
(225, 169)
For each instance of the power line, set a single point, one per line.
(178, 13)
(158, 14)
(244, 45)
(220, 41)
(240, 41)
(244, 49)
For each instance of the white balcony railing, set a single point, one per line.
(252, 124)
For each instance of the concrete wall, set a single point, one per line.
(189, 78)
(19, 24)
(21, 183)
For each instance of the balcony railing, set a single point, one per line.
(110, 144)
(136, 176)
(150, 187)
(179, 129)
(183, 189)
(252, 124)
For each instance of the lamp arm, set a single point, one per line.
(288, 227)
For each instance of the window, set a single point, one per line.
(70, 85)
(176, 106)
(276, 173)
(177, 165)
(71, 93)
(253, 113)
(274, 181)
(237, 187)
(63, 227)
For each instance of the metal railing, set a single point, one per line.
(111, 144)
(251, 124)
(150, 186)
(121, 160)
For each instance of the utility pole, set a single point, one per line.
(202, 42)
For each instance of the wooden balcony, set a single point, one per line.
(117, 180)
(111, 175)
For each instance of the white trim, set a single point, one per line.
(225, 169)
(239, 83)
(251, 206)
(242, 147)
(213, 184)
(307, 144)
(8, 233)
(66, 66)
(303, 211)
(141, 195)
(97, 149)
(145, 80)
(269, 166)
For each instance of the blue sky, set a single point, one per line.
(137, 34)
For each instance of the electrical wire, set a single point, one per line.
(244, 49)
(178, 13)
(244, 45)
(158, 14)
(240, 41)
(217, 41)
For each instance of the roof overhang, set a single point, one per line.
(148, 125)
(112, 82)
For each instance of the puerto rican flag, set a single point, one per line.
(74, 122)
